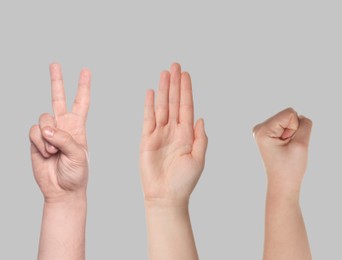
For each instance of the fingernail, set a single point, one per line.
(52, 147)
(49, 132)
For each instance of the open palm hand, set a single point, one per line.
(172, 150)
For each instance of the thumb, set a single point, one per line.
(61, 140)
(303, 133)
(200, 142)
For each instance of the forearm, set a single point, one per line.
(63, 230)
(285, 234)
(169, 232)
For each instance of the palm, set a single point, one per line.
(56, 173)
(168, 165)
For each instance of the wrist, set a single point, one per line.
(161, 211)
(167, 204)
(284, 184)
(283, 193)
(68, 210)
(79, 197)
(63, 228)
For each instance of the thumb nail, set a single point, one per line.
(49, 132)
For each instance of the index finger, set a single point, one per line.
(82, 100)
(57, 90)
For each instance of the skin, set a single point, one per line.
(283, 142)
(172, 156)
(60, 167)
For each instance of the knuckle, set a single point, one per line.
(291, 111)
(44, 117)
(305, 120)
(308, 121)
(260, 133)
(174, 101)
(82, 102)
(161, 107)
(186, 106)
(161, 122)
(149, 119)
(256, 130)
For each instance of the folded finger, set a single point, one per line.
(44, 121)
(283, 125)
(304, 131)
(37, 141)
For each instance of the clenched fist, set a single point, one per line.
(283, 142)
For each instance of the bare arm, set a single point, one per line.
(170, 234)
(63, 230)
(285, 234)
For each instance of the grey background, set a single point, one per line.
(248, 60)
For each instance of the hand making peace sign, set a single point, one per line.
(59, 142)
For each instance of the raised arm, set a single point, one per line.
(283, 142)
(60, 166)
(172, 157)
